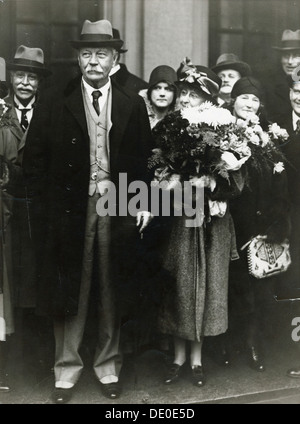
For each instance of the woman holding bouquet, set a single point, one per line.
(194, 301)
(261, 210)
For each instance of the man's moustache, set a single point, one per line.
(25, 89)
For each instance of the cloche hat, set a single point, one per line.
(247, 85)
(162, 73)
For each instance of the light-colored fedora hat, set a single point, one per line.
(30, 59)
(231, 61)
(97, 34)
(290, 40)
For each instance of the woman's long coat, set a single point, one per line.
(57, 166)
(195, 298)
(9, 142)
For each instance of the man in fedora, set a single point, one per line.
(277, 83)
(27, 69)
(230, 69)
(121, 75)
(77, 147)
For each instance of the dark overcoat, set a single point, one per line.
(291, 149)
(57, 168)
(276, 86)
(128, 80)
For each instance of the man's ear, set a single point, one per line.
(116, 57)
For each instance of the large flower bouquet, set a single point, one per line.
(208, 145)
(210, 141)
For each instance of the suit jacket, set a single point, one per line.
(129, 81)
(276, 90)
(291, 149)
(57, 167)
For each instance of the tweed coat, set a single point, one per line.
(195, 298)
(13, 141)
(9, 150)
(57, 168)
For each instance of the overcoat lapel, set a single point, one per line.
(289, 125)
(121, 111)
(74, 102)
(16, 128)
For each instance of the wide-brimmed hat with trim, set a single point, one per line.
(97, 34)
(290, 41)
(231, 61)
(29, 59)
(200, 77)
(116, 35)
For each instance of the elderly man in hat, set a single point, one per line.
(230, 69)
(92, 139)
(160, 97)
(26, 72)
(277, 83)
(120, 73)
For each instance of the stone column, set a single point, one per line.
(160, 32)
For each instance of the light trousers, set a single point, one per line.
(69, 331)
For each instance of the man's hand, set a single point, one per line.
(143, 219)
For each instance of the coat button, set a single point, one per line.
(258, 213)
(67, 210)
(70, 165)
(74, 140)
(68, 187)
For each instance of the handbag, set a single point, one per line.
(267, 259)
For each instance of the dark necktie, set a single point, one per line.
(298, 127)
(24, 120)
(96, 94)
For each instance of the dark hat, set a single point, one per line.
(97, 34)
(231, 61)
(247, 85)
(116, 35)
(29, 59)
(201, 78)
(162, 73)
(290, 40)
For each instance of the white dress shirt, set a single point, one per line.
(104, 90)
(20, 107)
(114, 69)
